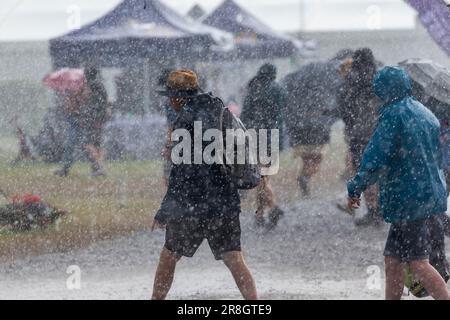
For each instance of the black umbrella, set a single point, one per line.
(431, 84)
(314, 86)
(311, 107)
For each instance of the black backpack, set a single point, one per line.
(247, 175)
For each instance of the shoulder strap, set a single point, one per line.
(222, 110)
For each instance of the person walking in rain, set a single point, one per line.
(202, 201)
(358, 108)
(311, 112)
(404, 157)
(263, 108)
(86, 114)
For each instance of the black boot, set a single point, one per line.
(303, 182)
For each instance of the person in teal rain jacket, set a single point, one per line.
(404, 157)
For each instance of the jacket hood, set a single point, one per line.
(392, 84)
(267, 71)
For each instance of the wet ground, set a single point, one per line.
(315, 253)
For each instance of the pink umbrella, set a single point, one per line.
(72, 80)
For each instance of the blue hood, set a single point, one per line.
(403, 155)
(392, 84)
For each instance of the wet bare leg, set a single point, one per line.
(164, 274)
(394, 278)
(234, 260)
(265, 197)
(311, 166)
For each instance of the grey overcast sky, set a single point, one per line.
(43, 19)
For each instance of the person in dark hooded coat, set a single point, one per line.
(171, 117)
(202, 201)
(86, 113)
(358, 108)
(265, 101)
(264, 107)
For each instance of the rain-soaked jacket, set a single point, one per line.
(201, 190)
(357, 104)
(264, 104)
(358, 108)
(403, 154)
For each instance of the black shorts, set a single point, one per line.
(409, 240)
(223, 232)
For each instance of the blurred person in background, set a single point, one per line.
(86, 114)
(358, 108)
(264, 105)
(311, 112)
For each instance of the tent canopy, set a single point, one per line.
(253, 39)
(196, 12)
(133, 30)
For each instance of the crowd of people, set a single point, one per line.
(398, 160)
(395, 160)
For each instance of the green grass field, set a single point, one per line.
(123, 202)
(98, 208)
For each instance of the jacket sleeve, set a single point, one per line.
(379, 151)
(247, 109)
